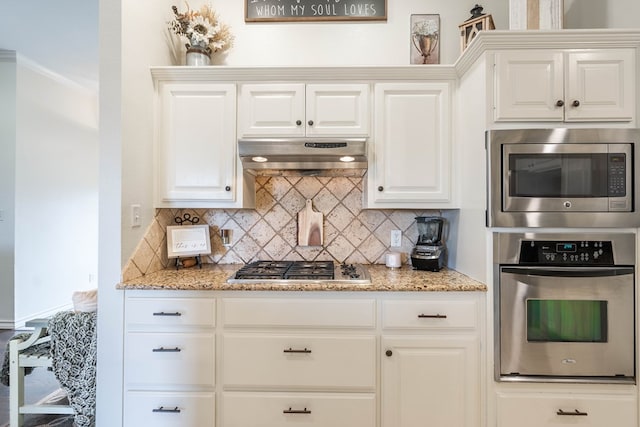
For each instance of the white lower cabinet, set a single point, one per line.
(169, 359)
(298, 409)
(326, 359)
(166, 409)
(303, 360)
(431, 372)
(531, 409)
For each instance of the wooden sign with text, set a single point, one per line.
(315, 10)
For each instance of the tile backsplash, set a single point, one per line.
(269, 232)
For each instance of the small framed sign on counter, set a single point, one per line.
(188, 240)
(315, 10)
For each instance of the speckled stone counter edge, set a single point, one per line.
(214, 277)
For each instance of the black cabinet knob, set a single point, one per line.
(388, 353)
(380, 188)
(560, 103)
(310, 122)
(576, 103)
(298, 122)
(227, 188)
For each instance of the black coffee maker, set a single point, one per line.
(429, 252)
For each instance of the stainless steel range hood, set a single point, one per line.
(304, 156)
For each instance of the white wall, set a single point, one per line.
(601, 14)
(55, 191)
(7, 184)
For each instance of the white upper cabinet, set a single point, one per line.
(196, 160)
(297, 110)
(410, 164)
(570, 86)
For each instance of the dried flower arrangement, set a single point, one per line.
(201, 28)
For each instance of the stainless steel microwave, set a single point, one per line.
(562, 178)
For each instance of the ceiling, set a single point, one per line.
(60, 35)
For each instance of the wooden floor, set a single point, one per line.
(38, 384)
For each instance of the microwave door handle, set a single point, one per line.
(570, 271)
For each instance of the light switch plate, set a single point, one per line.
(136, 219)
(396, 238)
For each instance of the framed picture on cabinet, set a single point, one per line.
(425, 39)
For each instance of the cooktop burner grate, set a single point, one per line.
(296, 271)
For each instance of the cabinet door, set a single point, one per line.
(196, 150)
(337, 110)
(271, 110)
(430, 381)
(600, 85)
(566, 409)
(529, 86)
(410, 166)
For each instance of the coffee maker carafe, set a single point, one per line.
(429, 252)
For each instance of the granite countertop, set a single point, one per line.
(214, 277)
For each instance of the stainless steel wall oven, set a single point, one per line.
(564, 307)
(562, 177)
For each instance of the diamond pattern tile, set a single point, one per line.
(270, 231)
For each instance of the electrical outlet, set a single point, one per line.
(396, 238)
(136, 216)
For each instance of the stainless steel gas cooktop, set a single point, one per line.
(300, 272)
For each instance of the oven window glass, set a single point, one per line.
(566, 320)
(558, 175)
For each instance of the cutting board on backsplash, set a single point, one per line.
(309, 226)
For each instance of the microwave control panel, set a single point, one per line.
(617, 172)
(572, 252)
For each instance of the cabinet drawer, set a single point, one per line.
(429, 314)
(170, 312)
(302, 362)
(279, 409)
(163, 409)
(170, 360)
(255, 312)
(537, 409)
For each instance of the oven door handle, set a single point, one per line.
(569, 271)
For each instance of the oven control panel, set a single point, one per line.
(572, 252)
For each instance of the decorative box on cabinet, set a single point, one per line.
(170, 354)
(196, 161)
(298, 110)
(431, 362)
(298, 361)
(410, 165)
(571, 86)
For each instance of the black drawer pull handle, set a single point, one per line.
(166, 350)
(296, 411)
(162, 409)
(291, 350)
(432, 316)
(162, 313)
(575, 413)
